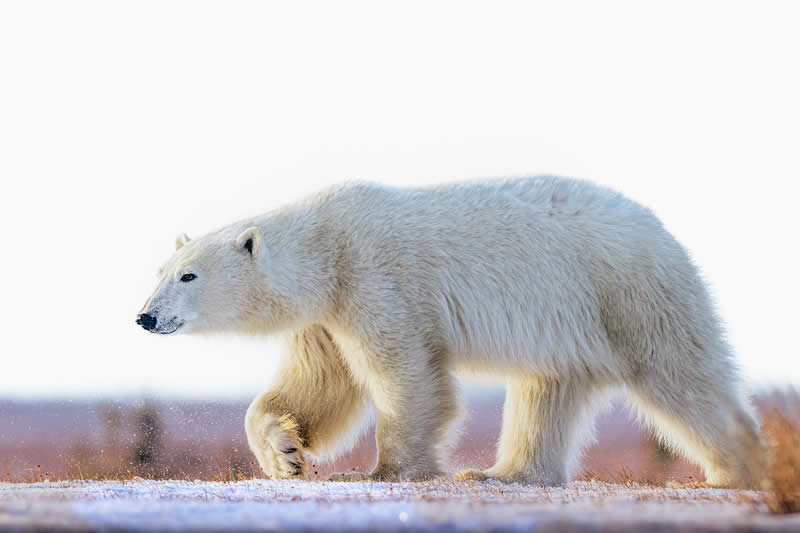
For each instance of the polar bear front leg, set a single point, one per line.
(312, 408)
(416, 406)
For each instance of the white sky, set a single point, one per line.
(124, 123)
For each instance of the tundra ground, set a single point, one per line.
(264, 505)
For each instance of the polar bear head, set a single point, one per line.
(213, 283)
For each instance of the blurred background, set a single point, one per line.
(125, 123)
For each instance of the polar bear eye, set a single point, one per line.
(186, 278)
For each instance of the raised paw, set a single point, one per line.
(277, 446)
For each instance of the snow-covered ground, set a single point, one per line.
(262, 505)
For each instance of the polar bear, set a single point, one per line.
(563, 288)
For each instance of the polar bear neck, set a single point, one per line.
(298, 265)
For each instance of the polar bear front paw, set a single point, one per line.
(278, 448)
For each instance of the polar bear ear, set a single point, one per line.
(250, 241)
(180, 240)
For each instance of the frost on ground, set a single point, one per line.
(262, 505)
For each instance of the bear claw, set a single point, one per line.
(282, 456)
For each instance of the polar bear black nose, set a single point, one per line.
(148, 322)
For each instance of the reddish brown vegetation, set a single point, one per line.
(182, 440)
(782, 429)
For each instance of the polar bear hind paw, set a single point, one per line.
(471, 475)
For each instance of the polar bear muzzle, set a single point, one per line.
(165, 327)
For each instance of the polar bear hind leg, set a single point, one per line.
(703, 416)
(546, 422)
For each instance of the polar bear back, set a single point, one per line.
(544, 274)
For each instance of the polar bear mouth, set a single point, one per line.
(171, 328)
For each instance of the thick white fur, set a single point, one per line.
(564, 288)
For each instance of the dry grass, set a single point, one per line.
(624, 476)
(207, 463)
